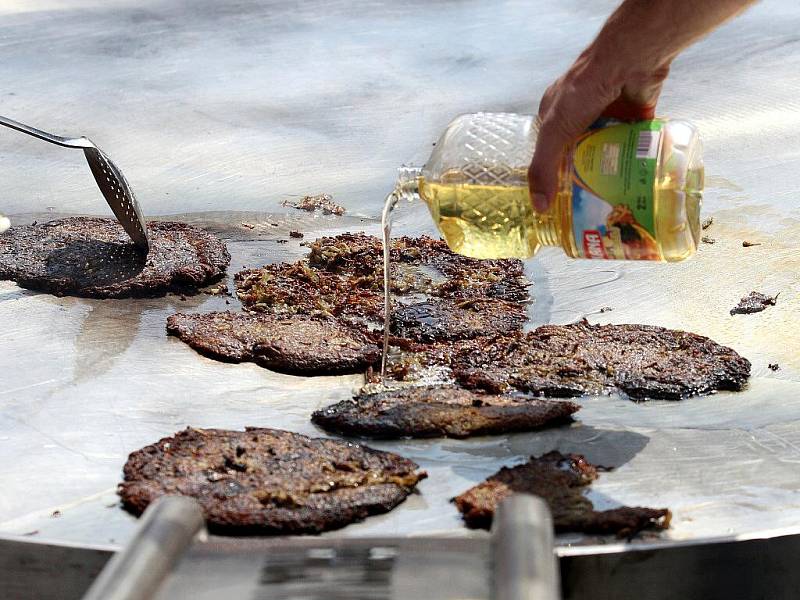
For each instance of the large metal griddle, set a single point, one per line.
(218, 111)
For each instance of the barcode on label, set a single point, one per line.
(647, 147)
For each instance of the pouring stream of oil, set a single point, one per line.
(386, 226)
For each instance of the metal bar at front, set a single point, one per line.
(167, 528)
(524, 560)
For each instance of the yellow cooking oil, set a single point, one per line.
(491, 221)
(483, 221)
(627, 191)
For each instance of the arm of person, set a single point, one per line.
(623, 70)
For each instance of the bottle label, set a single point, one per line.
(613, 177)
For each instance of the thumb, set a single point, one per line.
(568, 113)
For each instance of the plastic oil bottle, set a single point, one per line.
(626, 190)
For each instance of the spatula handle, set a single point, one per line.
(43, 135)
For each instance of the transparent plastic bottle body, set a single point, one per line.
(475, 186)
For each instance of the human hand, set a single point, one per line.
(619, 75)
(569, 106)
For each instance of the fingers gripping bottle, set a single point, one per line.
(626, 190)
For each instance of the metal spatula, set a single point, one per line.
(110, 180)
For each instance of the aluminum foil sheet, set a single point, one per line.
(218, 113)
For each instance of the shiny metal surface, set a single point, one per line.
(109, 178)
(519, 563)
(166, 530)
(65, 142)
(524, 563)
(233, 107)
(119, 195)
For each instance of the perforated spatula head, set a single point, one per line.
(110, 180)
(119, 195)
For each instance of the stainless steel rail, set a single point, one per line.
(522, 564)
(166, 531)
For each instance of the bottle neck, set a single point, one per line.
(547, 229)
(554, 226)
(407, 187)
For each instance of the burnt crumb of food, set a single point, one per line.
(747, 244)
(773, 366)
(560, 480)
(707, 222)
(440, 411)
(282, 241)
(248, 225)
(94, 257)
(219, 290)
(606, 309)
(268, 481)
(754, 302)
(295, 234)
(708, 240)
(323, 202)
